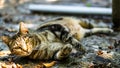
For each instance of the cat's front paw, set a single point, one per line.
(64, 52)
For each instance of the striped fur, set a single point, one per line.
(52, 40)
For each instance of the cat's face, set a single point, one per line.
(18, 43)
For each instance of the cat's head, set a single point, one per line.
(18, 43)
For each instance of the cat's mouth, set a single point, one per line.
(19, 51)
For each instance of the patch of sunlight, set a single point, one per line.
(51, 0)
(2, 2)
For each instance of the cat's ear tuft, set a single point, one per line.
(5, 39)
(22, 28)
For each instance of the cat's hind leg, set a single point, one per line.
(98, 30)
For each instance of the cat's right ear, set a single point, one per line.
(5, 39)
(22, 28)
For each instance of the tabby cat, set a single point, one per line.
(52, 40)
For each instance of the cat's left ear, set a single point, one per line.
(22, 28)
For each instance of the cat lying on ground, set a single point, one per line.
(52, 40)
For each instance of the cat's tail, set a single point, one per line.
(98, 30)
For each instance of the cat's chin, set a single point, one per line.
(20, 52)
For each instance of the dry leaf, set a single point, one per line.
(9, 65)
(48, 65)
(105, 55)
(40, 66)
(91, 65)
(110, 47)
(99, 52)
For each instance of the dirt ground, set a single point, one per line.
(103, 50)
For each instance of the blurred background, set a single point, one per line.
(96, 12)
(15, 11)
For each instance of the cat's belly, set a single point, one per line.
(46, 51)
